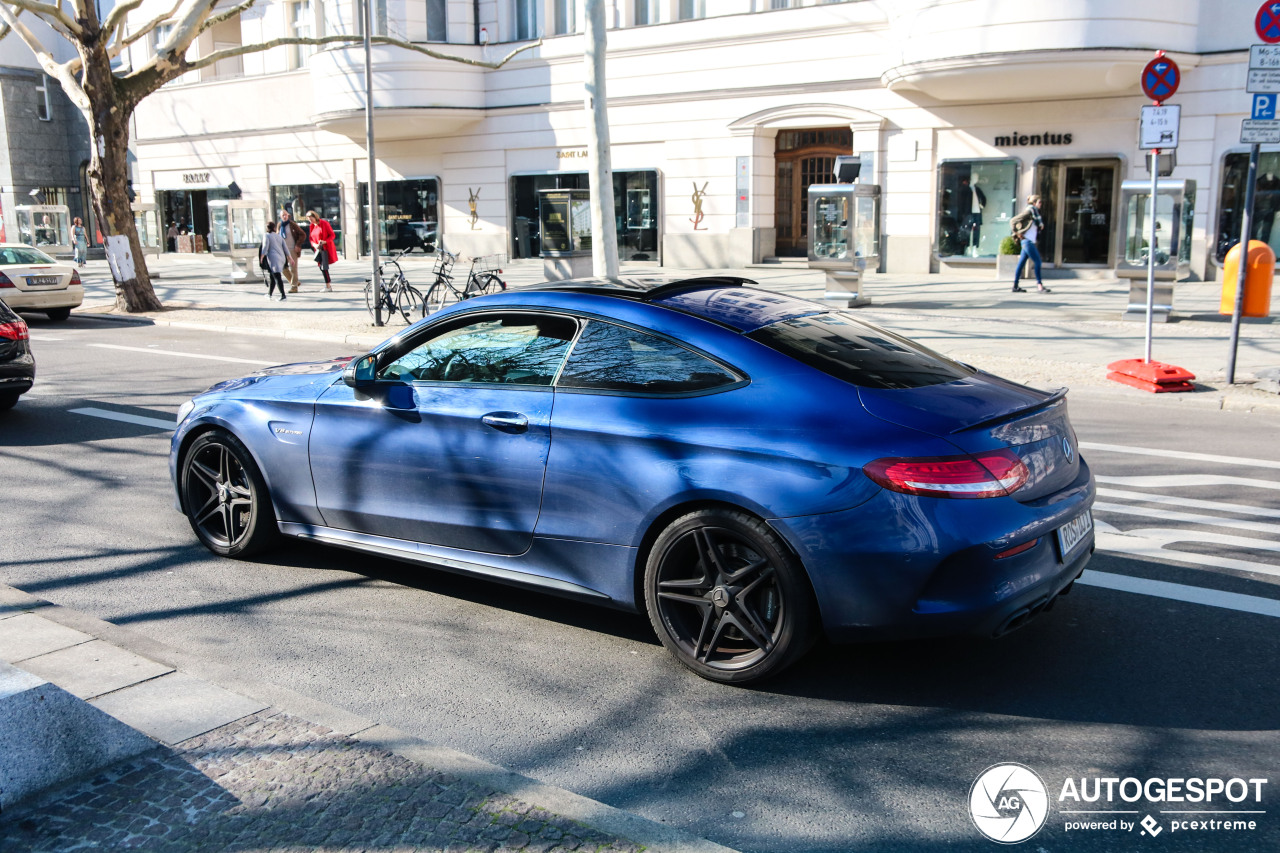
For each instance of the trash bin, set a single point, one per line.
(1260, 269)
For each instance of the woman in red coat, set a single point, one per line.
(322, 237)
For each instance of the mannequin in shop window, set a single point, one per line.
(972, 201)
(1266, 202)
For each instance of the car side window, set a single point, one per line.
(497, 349)
(615, 358)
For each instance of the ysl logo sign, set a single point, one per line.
(697, 205)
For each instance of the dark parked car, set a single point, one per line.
(17, 365)
(749, 469)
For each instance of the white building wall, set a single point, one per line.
(920, 82)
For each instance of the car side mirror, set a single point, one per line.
(361, 372)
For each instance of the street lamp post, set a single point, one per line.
(375, 280)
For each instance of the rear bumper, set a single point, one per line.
(37, 300)
(906, 567)
(17, 374)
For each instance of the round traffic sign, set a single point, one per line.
(1267, 22)
(1161, 77)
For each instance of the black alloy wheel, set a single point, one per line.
(225, 497)
(727, 597)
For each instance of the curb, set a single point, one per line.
(654, 837)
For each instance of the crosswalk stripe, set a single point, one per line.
(1190, 518)
(1180, 455)
(152, 351)
(1190, 503)
(1182, 592)
(106, 414)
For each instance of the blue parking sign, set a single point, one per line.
(1264, 107)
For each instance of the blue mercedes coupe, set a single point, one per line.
(749, 469)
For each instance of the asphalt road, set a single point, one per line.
(868, 747)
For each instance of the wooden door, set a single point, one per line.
(802, 158)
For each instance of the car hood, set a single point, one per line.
(307, 367)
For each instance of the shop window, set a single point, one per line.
(437, 20)
(43, 109)
(690, 9)
(324, 199)
(976, 200)
(1266, 201)
(409, 212)
(635, 207)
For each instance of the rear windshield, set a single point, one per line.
(11, 255)
(859, 353)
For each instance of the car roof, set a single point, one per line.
(738, 303)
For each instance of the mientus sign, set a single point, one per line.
(1017, 138)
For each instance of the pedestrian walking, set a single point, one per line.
(271, 254)
(323, 239)
(80, 238)
(1027, 226)
(295, 240)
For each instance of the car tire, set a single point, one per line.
(225, 498)
(57, 315)
(727, 598)
(8, 400)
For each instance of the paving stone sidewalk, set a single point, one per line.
(272, 781)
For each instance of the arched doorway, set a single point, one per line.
(802, 158)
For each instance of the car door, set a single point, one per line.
(449, 445)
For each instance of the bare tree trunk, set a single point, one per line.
(109, 184)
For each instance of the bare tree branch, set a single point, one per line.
(214, 20)
(5, 29)
(228, 53)
(119, 13)
(62, 73)
(52, 15)
(141, 32)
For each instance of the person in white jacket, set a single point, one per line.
(272, 254)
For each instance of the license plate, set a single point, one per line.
(1071, 534)
(43, 280)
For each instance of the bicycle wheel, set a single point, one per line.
(368, 297)
(439, 296)
(409, 303)
(490, 283)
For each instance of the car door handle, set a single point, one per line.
(506, 421)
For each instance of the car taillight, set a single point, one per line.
(5, 281)
(75, 276)
(982, 475)
(15, 331)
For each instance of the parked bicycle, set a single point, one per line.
(398, 295)
(484, 277)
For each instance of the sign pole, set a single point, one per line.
(1246, 223)
(375, 281)
(1151, 250)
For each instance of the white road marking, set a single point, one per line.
(1182, 592)
(1192, 503)
(1152, 542)
(185, 354)
(1180, 481)
(170, 424)
(1180, 455)
(40, 337)
(1190, 518)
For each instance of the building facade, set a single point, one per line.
(721, 113)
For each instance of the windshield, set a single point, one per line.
(859, 353)
(24, 255)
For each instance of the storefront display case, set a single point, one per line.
(1174, 214)
(236, 229)
(564, 223)
(147, 220)
(45, 226)
(844, 235)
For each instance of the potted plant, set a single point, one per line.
(1007, 259)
